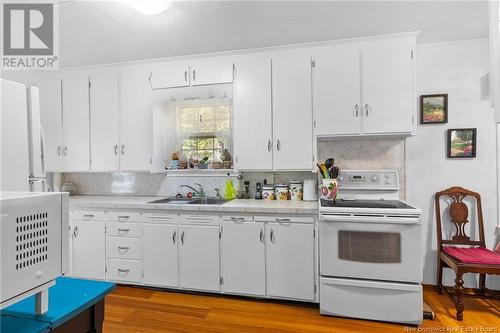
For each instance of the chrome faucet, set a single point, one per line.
(199, 193)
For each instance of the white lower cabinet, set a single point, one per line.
(290, 260)
(88, 250)
(199, 257)
(160, 255)
(243, 257)
(263, 255)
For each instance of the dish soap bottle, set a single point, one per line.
(230, 193)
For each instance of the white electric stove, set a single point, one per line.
(370, 250)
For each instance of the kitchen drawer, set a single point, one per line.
(237, 218)
(160, 218)
(88, 215)
(373, 300)
(124, 270)
(118, 229)
(124, 216)
(209, 219)
(121, 247)
(284, 218)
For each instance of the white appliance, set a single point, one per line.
(310, 190)
(370, 250)
(34, 248)
(22, 144)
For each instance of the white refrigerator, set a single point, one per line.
(22, 165)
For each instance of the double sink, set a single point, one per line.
(189, 201)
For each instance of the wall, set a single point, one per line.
(461, 70)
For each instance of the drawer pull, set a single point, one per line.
(121, 270)
(123, 217)
(88, 216)
(125, 248)
(279, 219)
(233, 218)
(123, 229)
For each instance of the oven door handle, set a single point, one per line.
(382, 219)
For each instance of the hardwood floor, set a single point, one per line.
(133, 309)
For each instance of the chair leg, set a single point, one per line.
(439, 275)
(482, 284)
(459, 291)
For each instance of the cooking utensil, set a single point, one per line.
(329, 162)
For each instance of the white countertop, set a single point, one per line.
(237, 205)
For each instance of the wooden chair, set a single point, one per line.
(461, 253)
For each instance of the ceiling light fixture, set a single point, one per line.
(149, 7)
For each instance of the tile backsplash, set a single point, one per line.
(349, 153)
(366, 154)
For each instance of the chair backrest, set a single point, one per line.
(459, 216)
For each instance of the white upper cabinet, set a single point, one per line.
(76, 130)
(104, 122)
(388, 86)
(253, 141)
(365, 88)
(337, 93)
(196, 72)
(170, 74)
(211, 71)
(292, 113)
(135, 120)
(51, 120)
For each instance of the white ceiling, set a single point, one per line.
(97, 32)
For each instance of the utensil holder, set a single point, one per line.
(328, 190)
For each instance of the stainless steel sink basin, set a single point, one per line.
(189, 201)
(207, 201)
(173, 201)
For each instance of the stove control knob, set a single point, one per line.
(341, 179)
(374, 178)
(387, 181)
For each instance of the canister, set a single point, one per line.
(281, 192)
(268, 192)
(296, 190)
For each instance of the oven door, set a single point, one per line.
(371, 247)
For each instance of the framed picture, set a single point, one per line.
(434, 109)
(462, 143)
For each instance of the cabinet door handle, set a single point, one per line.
(116, 149)
(123, 230)
(367, 110)
(233, 218)
(126, 248)
(174, 236)
(280, 219)
(87, 217)
(261, 236)
(65, 151)
(123, 149)
(356, 109)
(59, 149)
(123, 218)
(182, 237)
(194, 75)
(186, 76)
(121, 270)
(278, 145)
(271, 236)
(269, 145)
(75, 231)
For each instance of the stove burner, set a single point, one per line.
(386, 204)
